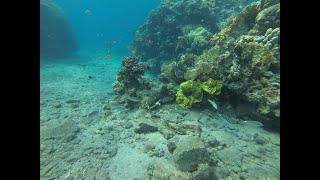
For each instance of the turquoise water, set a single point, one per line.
(116, 20)
(98, 120)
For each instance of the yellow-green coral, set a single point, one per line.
(212, 86)
(192, 91)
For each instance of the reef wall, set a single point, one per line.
(178, 27)
(56, 37)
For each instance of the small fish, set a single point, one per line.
(134, 52)
(98, 58)
(213, 103)
(108, 56)
(253, 123)
(180, 41)
(92, 58)
(87, 12)
(129, 47)
(138, 39)
(134, 99)
(145, 92)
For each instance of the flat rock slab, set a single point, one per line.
(145, 127)
(60, 129)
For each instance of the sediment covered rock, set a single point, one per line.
(190, 152)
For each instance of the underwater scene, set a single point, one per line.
(160, 89)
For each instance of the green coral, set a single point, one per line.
(212, 86)
(199, 36)
(193, 91)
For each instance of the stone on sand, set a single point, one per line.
(146, 127)
(190, 152)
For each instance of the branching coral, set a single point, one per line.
(130, 79)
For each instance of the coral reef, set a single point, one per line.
(171, 28)
(179, 27)
(56, 37)
(130, 80)
(245, 55)
(195, 91)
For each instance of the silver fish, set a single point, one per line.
(253, 123)
(213, 103)
(134, 99)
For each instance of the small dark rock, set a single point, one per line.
(145, 128)
(113, 151)
(73, 101)
(57, 105)
(213, 142)
(204, 172)
(69, 137)
(75, 105)
(70, 178)
(259, 139)
(93, 113)
(171, 146)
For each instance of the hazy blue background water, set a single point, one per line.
(115, 19)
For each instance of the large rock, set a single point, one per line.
(145, 126)
(190, 152)
(56, 36)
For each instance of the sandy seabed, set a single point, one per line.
(86, 134)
